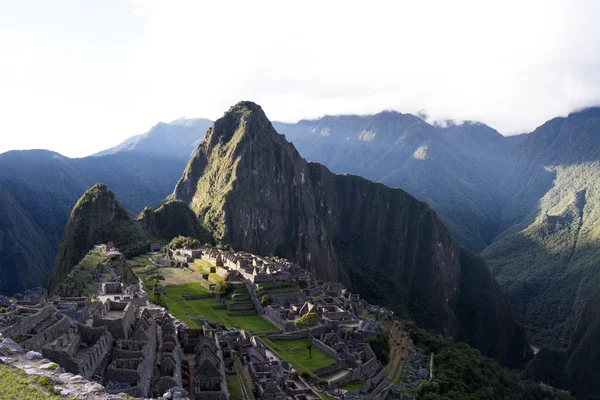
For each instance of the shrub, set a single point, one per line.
(183, 242)
(265, 300)
(2, 309)
(222, 288)
(381, 347)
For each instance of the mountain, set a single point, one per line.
(575, 368)
(99, 218)
(38, 189)
(445, 167)
(547, 256)
(251, 189)
(96, 218)
(177, 139)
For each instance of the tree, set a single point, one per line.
(308, 320)
(182, 242)
(153, 281)
(222, 288)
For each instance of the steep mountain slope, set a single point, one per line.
(445, 167)
(252, 189)
(576, 368)
(547, 259)
(171, 219)
(96, 218)
(38, 188)
(176, 139)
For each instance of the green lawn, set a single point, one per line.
(183, 309)
(235, 389)
(15, 384)
(353, 385)
(295, 351)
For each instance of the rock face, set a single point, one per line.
(96, 218)
(250, 188)
(171, 219)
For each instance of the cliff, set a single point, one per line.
(170, 219)
(250, 188)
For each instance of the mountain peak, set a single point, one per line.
(243, 118)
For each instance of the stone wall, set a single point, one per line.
(328, 370)
(326, 348)
(240, 306)
(254, 297)
(119, 327)
(26, 324)
(38, 341)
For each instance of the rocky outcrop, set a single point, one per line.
(251, 189)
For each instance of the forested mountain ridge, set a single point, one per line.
(251, 189)
(38, 189)
(547, 260)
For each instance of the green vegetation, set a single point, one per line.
(308, 320)
(222, 288)
(183, 242)
(352, 385)
(461, 372)
(204, 268)
(264, 300)
(381, 347)
(189, 310)
(80, 280)
(16, 385)
(234, 386)
(295, 351)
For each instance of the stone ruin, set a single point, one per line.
(132, 347)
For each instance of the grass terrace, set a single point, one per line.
(295, 351)
(353, 385)
(182, 282)
(204, 267)
(80, 281)
(234, 387)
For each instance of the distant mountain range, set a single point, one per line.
(176, 139)
(528, 202)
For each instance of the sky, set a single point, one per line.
(79, 76)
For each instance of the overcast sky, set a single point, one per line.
(80, 76)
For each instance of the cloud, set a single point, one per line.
(509, 64)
